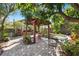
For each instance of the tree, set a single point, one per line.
(5, 10)
(58, 9)
(45, 11)
(57, 21)
(37, 11)
(26, 11)
(19, 25)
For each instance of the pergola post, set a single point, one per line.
(35, 22)
(38, 28)
(48, 32)
(34, 32)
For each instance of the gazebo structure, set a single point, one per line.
(38, 22)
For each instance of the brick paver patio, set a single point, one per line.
(40, 48)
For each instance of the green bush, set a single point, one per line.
(27, 39)
(5, 37)
(5, 34)
(71, 49)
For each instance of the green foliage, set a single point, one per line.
(27, 39)
(58, 21)
(72, 12)
(6, 39)
(71, 49)
(5, 10)
(45, 11)
(18, 25)
(53, 7)
(73, 27)
(26, 9)
(6, 34)
(34, 11)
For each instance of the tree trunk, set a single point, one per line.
(26, 26)
(2, 27)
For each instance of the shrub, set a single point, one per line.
(5, 34)
(5, 37)
(71, 49)
(27, 39)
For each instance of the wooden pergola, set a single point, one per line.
(38, 22)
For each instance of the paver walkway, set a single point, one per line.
(40, 48)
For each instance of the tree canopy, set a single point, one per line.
(5, 10)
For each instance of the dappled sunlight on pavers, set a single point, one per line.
(40, 48)
(10, 47)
